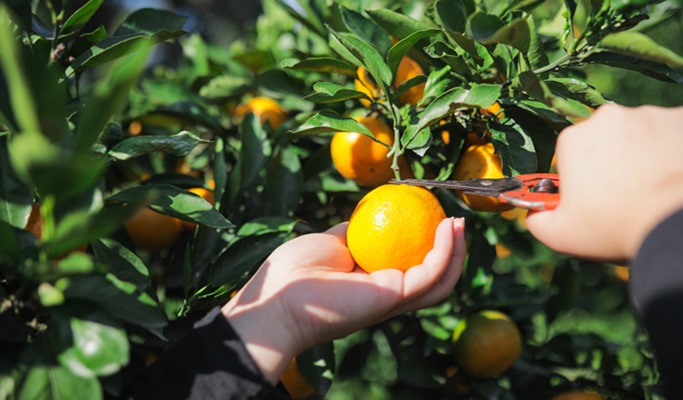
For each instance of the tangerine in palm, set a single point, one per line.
(393, 226)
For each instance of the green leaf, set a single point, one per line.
(284, 183)
(327, 92)
(98, 346)
(81, 17)
(541, 133)
(179, 145)
(122, 262)
(397, 24)
(312, 24)
(255, 152)
(15, 197)
(537, 55)
(488, 29)
(516, 149)
(483, 26)
(326, 65)
(654, 70)
(370, 58)
(366, 29)
(224, 87)
(255, 241)
(636, 44)
(577, 90)
(108, 97)
(151, 22)
(38, 161)
(178, 203)
(123, 300)
(436, 85)
(16, 80)
(451, 15)
(539, 90)
(330, 122)
(39, 377)
(483, 95)
(399, 50)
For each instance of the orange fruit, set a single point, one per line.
(480, 161)
(356, 156)
(516, 214)
(577, 395)
(35, 224)
(622, 273)
(486, 344)
(492, 110)
(502, 251)
(151, 230)
(393, 226)
(265, 109)
(296, 384)
(407, 69)
(477, 138)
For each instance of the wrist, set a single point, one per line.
(261, 328)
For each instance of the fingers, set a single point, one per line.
(339, 231)
(446, 267)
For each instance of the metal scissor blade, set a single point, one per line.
(478, 186)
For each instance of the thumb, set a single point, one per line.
(549, 228)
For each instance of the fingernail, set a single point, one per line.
(458, 222)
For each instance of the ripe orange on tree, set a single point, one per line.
(407, 69)
(357, 156)
(577, 395)
(295, 382)
(486, 344)
(151, 230)
(393, 226)
(265, 109)
(480, 161)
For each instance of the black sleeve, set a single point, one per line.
(656, 287)
(210, 362)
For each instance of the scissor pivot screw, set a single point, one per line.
(545, 185)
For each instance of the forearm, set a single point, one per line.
(657, 292)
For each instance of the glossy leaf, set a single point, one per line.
(122, 262)
(284, 183)
(255, 152)
(108, 97)
(487, 30)
(121, 299)
(366, 29)
(635, 44)
(397, 24)
(98, 346)
(41, 378)
(655, 70)
(175, 202)
(326, 92)
(370, 58)
(255, 241)
(515, 148)
(478, 96)
(81, 16)
(399, 50)
(452, 15)
(179, 145)
(325, 64)
(329, 122)
(15, 197)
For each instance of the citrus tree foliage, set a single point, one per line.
(92, 129)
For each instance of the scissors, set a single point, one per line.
(538, 192)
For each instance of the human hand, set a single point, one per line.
(310, 291)
(620, 174)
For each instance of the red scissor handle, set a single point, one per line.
(538, 192)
